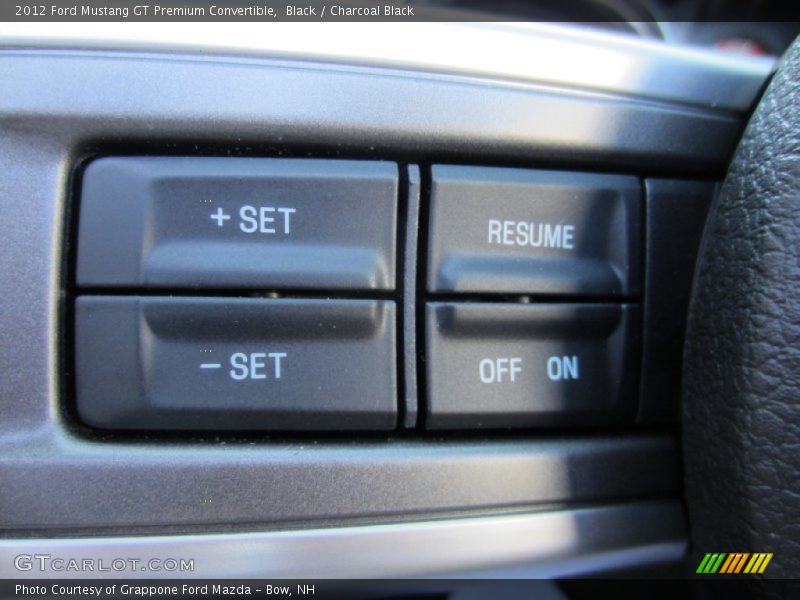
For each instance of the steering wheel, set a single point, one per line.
(741, 388)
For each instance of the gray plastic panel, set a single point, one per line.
(60, 107)
(106, 486)
(260, 223)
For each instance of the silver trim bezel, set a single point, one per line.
(540, 53)
(557, 543)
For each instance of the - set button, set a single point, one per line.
(156, 363)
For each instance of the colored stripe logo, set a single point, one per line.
(734, 562)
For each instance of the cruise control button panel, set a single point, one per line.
(189, 222)
(172, 363)
(492, 365)
(516, 231)
(530, 307)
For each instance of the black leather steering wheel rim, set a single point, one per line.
(741, 387)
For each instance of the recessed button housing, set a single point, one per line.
(169, 363)
(495, 365)
(516, 231)
(189, 222)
